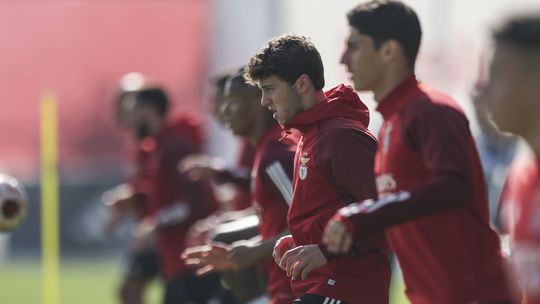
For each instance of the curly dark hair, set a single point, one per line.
(287, 57)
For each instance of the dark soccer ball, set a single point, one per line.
(13, 203)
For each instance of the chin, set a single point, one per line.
(236, 131)
(359, 86)
(506, 126)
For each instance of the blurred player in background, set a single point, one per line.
(236, 219)
(495, 148)
(513, 92)
(130, 199)
(432, 194)
(168, 203)
(203, 166)
(271, 190)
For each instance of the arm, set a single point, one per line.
(198, 167)
(218, 256)
(247, 253)
(350, 169)
(239, 177)
(351, 173)
(173, 214)
(441, 135)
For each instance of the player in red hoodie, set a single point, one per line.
(173, 202)
(512, 92)
(130, 198)
(327, 176)
(432, 195)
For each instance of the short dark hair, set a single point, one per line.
(238, 80)
(520, 31)
(287, 57)
(154, 97)
(219, 81)
(384, 20)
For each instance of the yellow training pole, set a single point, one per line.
(49, 202)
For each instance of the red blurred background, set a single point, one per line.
(78, 50)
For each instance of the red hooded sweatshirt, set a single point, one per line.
(334, 167)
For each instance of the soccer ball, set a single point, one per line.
(13, 203)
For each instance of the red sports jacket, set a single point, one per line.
(433, 200)
(272, 193)
(334, 167)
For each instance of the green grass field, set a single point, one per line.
(84, 281)
(81, 281)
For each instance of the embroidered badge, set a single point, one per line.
(331, 282)
(303, 171)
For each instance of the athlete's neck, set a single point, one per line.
(390, 80)
(313, 99)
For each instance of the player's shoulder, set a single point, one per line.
(342, 129)
(429, 98)
(277, 150)
(430, 103)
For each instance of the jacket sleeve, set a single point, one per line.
(240, 177)
(349, 156)
(442, 137)
(348, 161)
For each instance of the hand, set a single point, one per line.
(144, 234)
(282, 245)
(301, 260)
(198, 233)
(119, 197)
(244, 254)
(208, 258)
(336, 237)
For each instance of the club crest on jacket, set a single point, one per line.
(303, 171)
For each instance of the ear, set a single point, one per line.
(303, 83)
(390, 50)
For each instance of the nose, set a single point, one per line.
(344, 58)
(265, 100)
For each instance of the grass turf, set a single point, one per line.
(86, 281)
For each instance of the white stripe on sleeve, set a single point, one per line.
(282, 181)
